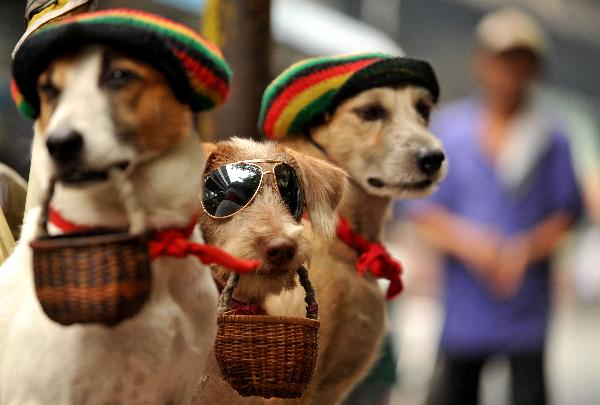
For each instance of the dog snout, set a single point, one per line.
(430, 160)
(65, 146)
(279, 250)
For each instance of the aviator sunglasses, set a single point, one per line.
(233, 186)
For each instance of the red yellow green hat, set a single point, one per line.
(300, 96)
(194, 67)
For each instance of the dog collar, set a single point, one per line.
(373, 257)
(169, 242)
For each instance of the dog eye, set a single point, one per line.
(118, 78)
(423, 109)
(372, 112)
(50, 91)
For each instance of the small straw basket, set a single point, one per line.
(92, 277)
(267, 356)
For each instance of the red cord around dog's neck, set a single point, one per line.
(373, 257)
(171, 242)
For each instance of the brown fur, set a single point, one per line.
(54, 76)
(246, 232)
(352, 307)
(148, 105)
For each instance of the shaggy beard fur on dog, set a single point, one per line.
(380, 138)
(127, 116)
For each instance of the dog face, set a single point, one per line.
(100, 109)
(380, 138)
(265, 229)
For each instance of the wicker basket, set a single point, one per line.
(91, 277)
(267, 356)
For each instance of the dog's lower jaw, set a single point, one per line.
(403, 189)
(82, 177)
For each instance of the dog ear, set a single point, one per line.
(323, 186)
(208, 148)
(207, 153)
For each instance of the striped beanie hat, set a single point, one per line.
(194, 67)
(301, 96)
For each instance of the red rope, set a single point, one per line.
(65, 225)
(171, 242)
(175, 243)
(373, 258)
(237, 308)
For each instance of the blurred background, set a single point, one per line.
(262, 37)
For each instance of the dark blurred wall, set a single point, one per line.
(15, 132)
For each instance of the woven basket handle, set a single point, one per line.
(312, 310)
(43, 218)
(135, 213)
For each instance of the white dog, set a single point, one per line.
(99, 109)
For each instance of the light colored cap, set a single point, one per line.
(40, 12)
(510, 28)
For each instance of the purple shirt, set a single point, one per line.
(475, 321)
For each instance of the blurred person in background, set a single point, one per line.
(509, 198)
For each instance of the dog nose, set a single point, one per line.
(65, 146)
(430, 160)
(279, 250)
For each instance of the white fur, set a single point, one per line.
(84, 108)
(157, 356)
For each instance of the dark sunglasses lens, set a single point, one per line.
(229, 188)
(289, 188)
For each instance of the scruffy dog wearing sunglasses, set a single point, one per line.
(253, 199)
(368, 114)
(98, 109)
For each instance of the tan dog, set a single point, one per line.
(99, 112)
(380, 137)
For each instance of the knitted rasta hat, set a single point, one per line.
(194, 67)
(300, 96)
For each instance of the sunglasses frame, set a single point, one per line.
(263, 172)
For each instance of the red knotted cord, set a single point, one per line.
(373, 257)
(171, 242)
(175, 243)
